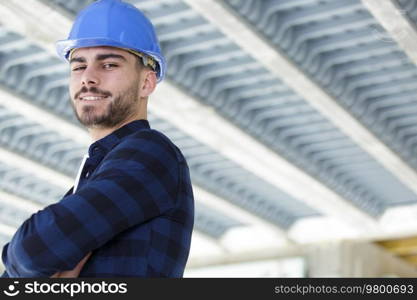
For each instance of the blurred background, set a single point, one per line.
(298, 119)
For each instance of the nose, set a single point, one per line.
(90, 77)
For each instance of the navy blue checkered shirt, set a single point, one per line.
(133, 209)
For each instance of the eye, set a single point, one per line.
(109, 66)
(78, 68)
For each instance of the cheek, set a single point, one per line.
(73, 87)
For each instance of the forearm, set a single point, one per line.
(40, 247)
(34, 250)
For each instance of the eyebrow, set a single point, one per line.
(99, 57)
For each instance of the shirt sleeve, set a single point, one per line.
(137, 181)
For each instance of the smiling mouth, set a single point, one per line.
(92, 98)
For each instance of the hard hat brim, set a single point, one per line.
(64, 47)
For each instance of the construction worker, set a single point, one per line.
(131, 210)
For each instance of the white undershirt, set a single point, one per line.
(80, 170)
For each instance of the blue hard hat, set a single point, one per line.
(117, 24)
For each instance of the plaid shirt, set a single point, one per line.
(133, 208)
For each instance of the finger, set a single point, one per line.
(83, 261)
(74, 272)
(56, 275)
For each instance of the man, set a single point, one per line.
(131, 210)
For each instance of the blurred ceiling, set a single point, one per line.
(298, 118)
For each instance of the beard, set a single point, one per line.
(117, 111)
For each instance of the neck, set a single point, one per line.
(98, 132)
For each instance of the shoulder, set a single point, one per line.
(145, 149)
(152, 142)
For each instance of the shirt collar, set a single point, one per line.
(105, 144)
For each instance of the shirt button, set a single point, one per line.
(87, 174)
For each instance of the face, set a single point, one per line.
(106, 85)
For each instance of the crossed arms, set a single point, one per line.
(137, 181)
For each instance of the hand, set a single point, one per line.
(74, 272)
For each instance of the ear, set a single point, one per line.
(148, 84)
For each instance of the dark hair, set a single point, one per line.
(140, 61)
